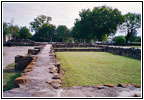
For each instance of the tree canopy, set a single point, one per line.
(15, 32)
(5, 29)
(131, 24)
(45, 33)
(62, 33)
(24, 33)
(119, 40)
(92, 25)
(98, 23)
(39, 21)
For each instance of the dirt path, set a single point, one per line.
(37, 85)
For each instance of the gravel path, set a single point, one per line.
(37, 85)
(11, 52)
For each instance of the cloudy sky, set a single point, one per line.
(62, 13)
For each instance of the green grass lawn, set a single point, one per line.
(98, 68)
(8, 76)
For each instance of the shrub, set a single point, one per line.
(120, 40)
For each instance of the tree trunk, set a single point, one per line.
(50, 38)
(127, 37)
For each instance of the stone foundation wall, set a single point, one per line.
(87, 50)
(25, 64)
(21, 62)
(113, 44)
(65, 45)
(23, 42)
(123, 51)
(35, 51)
(55, 61)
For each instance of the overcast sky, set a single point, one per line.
(62, 13)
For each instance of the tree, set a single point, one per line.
(5, 30)
(97, 24)
(106, 20)
(75, 31)
(120, 40)
(45, 33)
(131, 24)
(39, 21)
(24, 33)
(82, 30)
(14, 31)
(63, 33)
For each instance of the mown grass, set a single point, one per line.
(98, 68)
(8, 76)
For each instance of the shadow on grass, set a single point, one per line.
(8, 76)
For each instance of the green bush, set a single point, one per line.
(120, 40)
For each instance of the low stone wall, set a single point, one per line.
(23, 42)
(113, 44)
(124, 51)
(26, 68)
(129, 52)
(63, 45)
(25, 64)
(35, 51)
(55, 61)
(55, 69)
(68, 49)
(21, 62)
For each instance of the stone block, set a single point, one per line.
(20, 66)
(33, 51)
(34, 59)
(100, 87)
(21, 62)
(53, 54)
(56, 85)
(136, 85)
(122, 85)
(56, 76)
(38, 47)
(109, 85)
(29, 66)
(20, 80)
(58, 66)
(20, 58)
(53, 70)
(23, 74)
(137, 95)
(32, 63)
(27, 70)
(54, 81)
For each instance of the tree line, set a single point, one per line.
(15, 32)
(92, 25)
